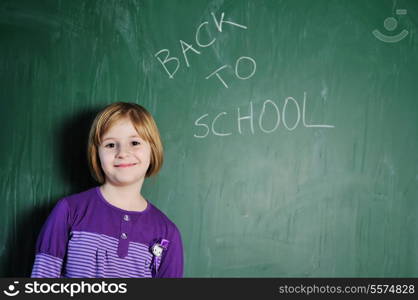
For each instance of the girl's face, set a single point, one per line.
(124, 156)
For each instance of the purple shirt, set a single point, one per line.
(86, 236)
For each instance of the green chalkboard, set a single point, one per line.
(290, 127)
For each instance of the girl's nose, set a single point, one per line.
(123, 152)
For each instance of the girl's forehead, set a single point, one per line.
(121, 122)
(121, 127)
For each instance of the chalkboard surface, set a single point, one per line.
(290, 127)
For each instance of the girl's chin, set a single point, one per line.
(126, 181)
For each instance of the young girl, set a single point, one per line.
(112, 230)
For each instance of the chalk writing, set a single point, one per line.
(205, 127)
(171, 64)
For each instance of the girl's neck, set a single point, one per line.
(124, 197)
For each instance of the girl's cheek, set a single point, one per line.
(106, 154)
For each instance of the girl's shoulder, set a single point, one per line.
(82, 195)
(79, 200)
(161, 218)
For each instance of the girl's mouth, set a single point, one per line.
(125, 165)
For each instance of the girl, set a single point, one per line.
(111, 230)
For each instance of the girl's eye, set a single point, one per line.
(110, 145)
(136, 143)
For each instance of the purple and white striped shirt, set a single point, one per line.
(86, 236)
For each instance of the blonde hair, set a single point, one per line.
(142, 121)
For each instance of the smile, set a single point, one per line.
(125, 165)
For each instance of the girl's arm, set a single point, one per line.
(172, 261)
(51, 245)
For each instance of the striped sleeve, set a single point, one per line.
(51, 245)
